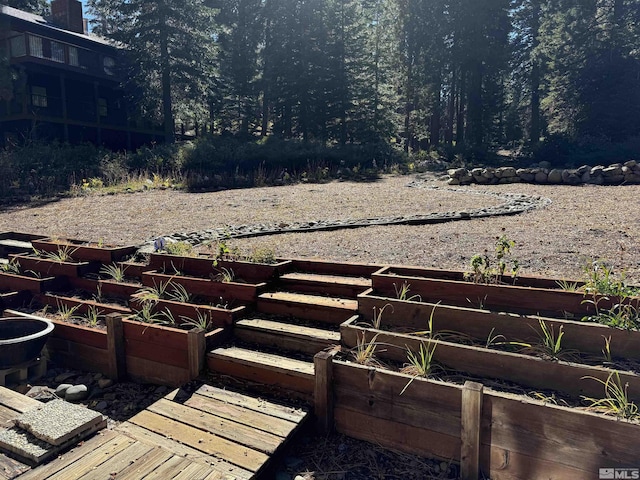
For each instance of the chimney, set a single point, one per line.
(68, 14)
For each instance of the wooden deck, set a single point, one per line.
(210, 434)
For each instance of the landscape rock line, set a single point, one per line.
(513, 203)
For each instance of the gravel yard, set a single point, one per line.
(581, 222)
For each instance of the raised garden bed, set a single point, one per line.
(105, 286)
(207, 287)
(479, 324)
(513, 298)
(203, 266)
(218, 316)
(528, 371)
(30, 282)
(50, 267)
(82, 305)
(500, 435)
(85, 251)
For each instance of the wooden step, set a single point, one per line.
(335, 285)
(331, 310)
(264, 368)
(285, 336)
(329, 267)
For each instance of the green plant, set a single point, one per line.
(364, 351)
(224, 275)
(421, 363)
(429, 332)
(606, 351)
(92, 316)
(152, 294)
(262, 255)
(98, 296)
(12, 266)
(550, 342)
(616, 401)
(402, 293)
(568, 286)
(113, 271)
(177, 292)
(179, 248)
(65, 312)
(63, 254)
(625, 314)
(202, 321)
(376, 321)
(146, 314)
(600, 279)
(492, 339)
(486, 269)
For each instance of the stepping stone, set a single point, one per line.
(57, 421)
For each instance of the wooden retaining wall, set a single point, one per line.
(504, 437)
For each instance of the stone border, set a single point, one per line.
(514, 203)
(615, 174)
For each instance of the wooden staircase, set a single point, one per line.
(297, 318)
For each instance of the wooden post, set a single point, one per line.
(196, 345)
(471, 416)
(115, 347)
(323, 392)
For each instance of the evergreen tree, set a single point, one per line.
(169, 46)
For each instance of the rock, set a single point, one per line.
(76, 393)
(584, 168)
(488, 173)
(597, 170)
(458, 172)
(597, 179)
(612, 171)
(555, 176)
(100, 406)
(161, 389)
(41, 393)
(613, 179)
(62, 389)
(586, 177)
(630, 163)
(453, 181)
(505, 172)
(105, 383)
(541, 177)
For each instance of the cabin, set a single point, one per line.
(66, 83)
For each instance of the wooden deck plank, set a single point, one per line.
(16, 401)
(298, 331)
(145, 464)
(92, 458)
(196, 470)
(221, 427)
(327, 278)
(213, 445)
(313, 300)
(276, 363)
(259, 420)
(169, 469)
(256, 404)
(51, 468)
(143, 435)
(10, 468)
(118, 462)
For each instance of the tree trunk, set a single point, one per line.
(167, 106)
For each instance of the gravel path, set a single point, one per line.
(580, 223)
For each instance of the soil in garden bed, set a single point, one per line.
(52, 313)
(459, 378)
(513, 345)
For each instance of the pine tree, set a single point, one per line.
(169, 46)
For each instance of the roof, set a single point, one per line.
(43, 22)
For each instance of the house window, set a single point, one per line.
(35, 46)
(39, 96)
(18, 48)
(103, 111)
(73, 57)
(108, 65)
(57, 52)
